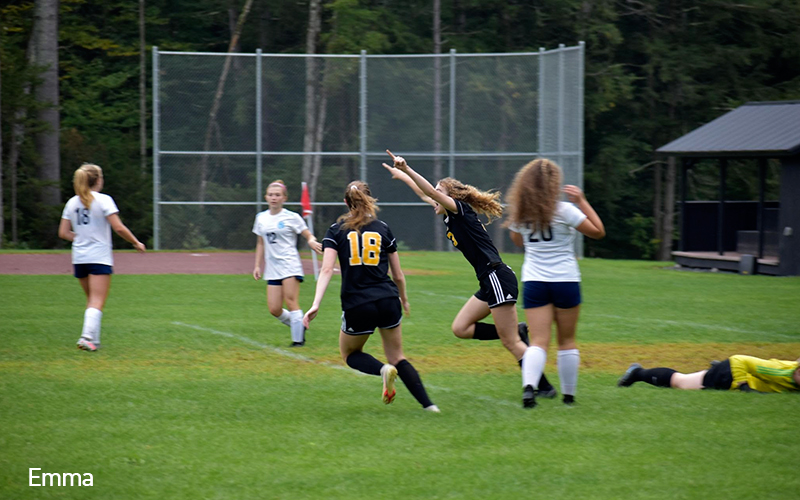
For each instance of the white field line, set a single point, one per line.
(306, 359)
(650, 320)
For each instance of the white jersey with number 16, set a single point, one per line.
(92, 243)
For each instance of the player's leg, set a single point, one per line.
(393, 348)
(661, 377)
(569, 357)
(96, 287)
(275, 302)
(291, 293)
(466, 326)
(540, 321)
(357, 326)
(505, 320)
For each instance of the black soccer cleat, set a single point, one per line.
(528, 397)
(628, 378)
(569, 399)
(298, 344)
(550, 393)
(522, 328)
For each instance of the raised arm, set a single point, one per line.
(325, 274)
(400, 280)
(592, 226)
(422, 184)
(124, 232)
(398, 174)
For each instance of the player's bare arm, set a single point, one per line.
(592, 226)
(422, 183)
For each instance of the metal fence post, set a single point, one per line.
(259, 148)
(156, 156)
(560, 103)
(540, 125)
(452, 169)
(581, 58)
(362, 112)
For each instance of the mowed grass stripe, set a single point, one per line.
(167, 411)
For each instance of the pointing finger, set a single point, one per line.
(390, 154)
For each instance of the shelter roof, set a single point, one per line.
(753, 129)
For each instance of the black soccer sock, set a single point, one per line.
(364, 363)
(485, 331)
(544, 384)
(659, 377)
(408, 374)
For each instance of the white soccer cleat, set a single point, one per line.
(388, 374)
(86, 345)
(432, 409)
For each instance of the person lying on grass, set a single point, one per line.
(739, 372)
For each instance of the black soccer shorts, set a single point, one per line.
(364, 319)
(498, 287)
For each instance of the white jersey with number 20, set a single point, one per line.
(550, 253)
(279, 233)
(92, 243)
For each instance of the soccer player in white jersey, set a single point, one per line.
(546, 227)
(86, 221)
(277, 230)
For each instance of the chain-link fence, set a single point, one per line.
(225, 125)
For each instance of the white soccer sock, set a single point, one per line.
(533, 362)
(568, 362)
(297, 326)
(91, 324)
(285, 317)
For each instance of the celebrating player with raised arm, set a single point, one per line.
(367, 250)
(458, 203)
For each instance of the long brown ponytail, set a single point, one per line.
(84, 180)
(363, 206)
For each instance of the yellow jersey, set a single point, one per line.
(763, 375)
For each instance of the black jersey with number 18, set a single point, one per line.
(467, 233)
(364, 261)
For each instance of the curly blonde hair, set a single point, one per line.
(533, 195)
(363, 206)
(484, 202)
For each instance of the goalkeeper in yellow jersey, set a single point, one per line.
(739, 372)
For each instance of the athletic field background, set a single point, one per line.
(196, 395)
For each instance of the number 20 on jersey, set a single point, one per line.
(369, 253)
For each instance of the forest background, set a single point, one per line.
(75, 87)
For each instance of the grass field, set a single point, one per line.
(195, 396)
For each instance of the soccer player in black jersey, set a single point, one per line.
(367, 251)
(458, 203)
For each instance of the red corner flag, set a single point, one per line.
(305, 201)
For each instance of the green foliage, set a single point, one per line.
(654, 70)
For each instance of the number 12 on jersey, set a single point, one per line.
(369, 252)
